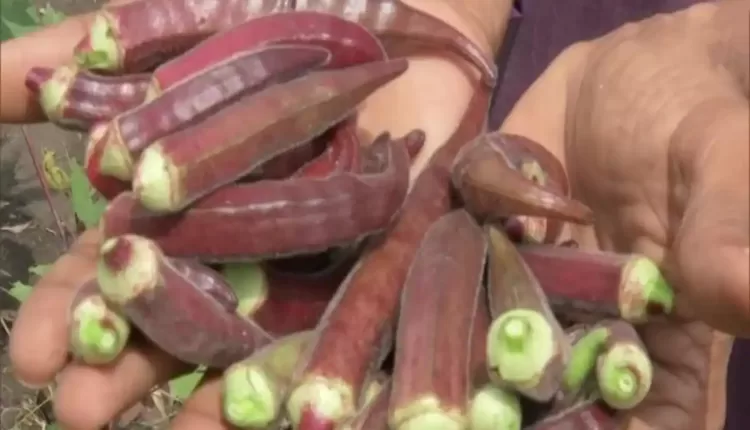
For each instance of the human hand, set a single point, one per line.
(87, 397)
(651, 121)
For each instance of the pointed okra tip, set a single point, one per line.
(493, 408)
(99, 49)
(320, 404)
(520, 345)
(624, 375)
(127, 266)
(155, 181)
(115, 158)
(644, 290)
(98, 334)
(250, 399)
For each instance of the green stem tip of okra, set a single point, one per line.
(624, 374)
(520, 344)
(250, 398)
(97, 333)
(583, 358)
(493, 408)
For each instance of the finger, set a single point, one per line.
(88, 397)
(711, 247)
(39, 339)
(202, 411)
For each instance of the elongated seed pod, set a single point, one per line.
(584, 416)
(623, 371)
(526, 347)
(137, 35)
(76, 99)
(268, 219)
(490, 407)
(374, 415)
(342, 154)
(364, 310)
(586, 285)
(253, 390)
(432, 368)
(98, 333)
(174, 303)
(492, 188)
(108, 186)
(348, 42)
(183, 167)
(396, 23)
(204, 93)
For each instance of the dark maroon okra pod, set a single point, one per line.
(185, 308)
(527, 349)
(197, 97)
(492, 188)
(363, 312)
(98, 333)
(374, 415)
(398, 24)
(269, 219)
(183, 167)
(587, 285)
(76, 99)
(432, 367)
(137, 35)
(348, 42)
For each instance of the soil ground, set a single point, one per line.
(29, 235)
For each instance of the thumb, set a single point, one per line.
(712, 258)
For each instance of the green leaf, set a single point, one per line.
(53, 426)
(49, 15)
(181, 388)
(40, 269)
(20, 291)
(86, 205)
(17, 19)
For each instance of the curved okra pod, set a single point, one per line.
(526, 348)
(98, 333)
(584, 284)
(363, 311)
(431, 376)
(185, 308)
(195, 98)
(254, 389)
(397, 24)
(265, 219)
(492, 188)
(137, 35)
(624, 371)
(76, 99)
(181, 168)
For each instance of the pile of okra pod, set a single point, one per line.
(253, 227)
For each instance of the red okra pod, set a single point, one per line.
(342, 154)
(98, 333)
(490, 407)
(76, 99)
(374, 415)
(254, 389)
(593, 284)
(364, 309)
(283, 303)
(527, 349)
(432, 367)
(584, 416)
(396, 23)
(108, 186)
(183, 307)
(348, 42)
(201, 95)
(183, 167)
(137, 35)
(270, 219)
(492, 188)
(623, 371)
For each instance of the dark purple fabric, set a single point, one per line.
(541, 31)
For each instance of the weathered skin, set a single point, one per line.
(365, 307)
(183, 167)
(268, 219)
